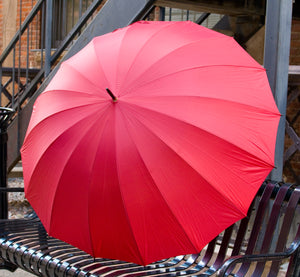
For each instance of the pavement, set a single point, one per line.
(17, 273)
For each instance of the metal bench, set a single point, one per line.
(262, 243)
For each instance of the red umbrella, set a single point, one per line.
(150, 141)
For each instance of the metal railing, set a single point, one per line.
(30, 54)
(27, 60)
(5, 114)
(208, 20)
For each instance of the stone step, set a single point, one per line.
(16, 172)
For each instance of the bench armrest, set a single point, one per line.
(231, 262)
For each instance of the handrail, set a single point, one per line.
(86, 15)
(23, 28)
(34, 76)
(21, 84)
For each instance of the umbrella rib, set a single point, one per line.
(79, 92)
(232, 204)
(69, 109)
(229, 169)
(128, 220)
(144, 45)
(164, 199)
(99, 63)
(134, 88)
(264, 110)
(83, 76)
(68, 158)
(89, 184)
(125, 210)
(154, 65)
(188, 123)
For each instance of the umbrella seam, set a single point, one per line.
(97, 88)
(123, 201)
(187, 69)
(79, 141)
(89, 184)
(81, 93)
(261, 109)
(192, 244)
(80, 121)
(153, 65)
(232, 204)
(51, 115)
(194, 168)
(143, 46)
(99, 63)
(67, 160)
(263, 162)
(118, 59)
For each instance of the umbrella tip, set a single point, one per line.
(114, 98)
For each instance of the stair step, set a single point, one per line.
(17, 171)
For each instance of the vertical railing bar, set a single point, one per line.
(73, 11)
(57, 32)
(61, 32)
(27, 56)
(54, 32)
(170, 14)
(13, 77)
(42, 33)
(48, 36)
(31, 28)
(19, 76)
(187, 14)
(64, 19)
(36, 28)
(19, 58)
(162, 12)
(80, 14)
(80, 8)
(1, 86)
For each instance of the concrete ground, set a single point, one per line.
(17, 273)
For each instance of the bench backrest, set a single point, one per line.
(271, 225)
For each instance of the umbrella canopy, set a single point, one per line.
(150, 141)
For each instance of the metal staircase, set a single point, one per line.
(27, 65)
(35, 52)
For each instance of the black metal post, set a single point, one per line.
(5, 114)
(48, 36)
(276, 62)
(162, 13)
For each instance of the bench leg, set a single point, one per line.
(7, 265)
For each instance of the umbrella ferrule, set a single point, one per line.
(114, 98)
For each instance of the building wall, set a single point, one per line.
(292, 168)
(10, 22)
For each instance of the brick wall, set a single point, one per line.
(295, 43)
(33, 35)
(292, 168)
(14, 22)
(1, 26)
(34, 59)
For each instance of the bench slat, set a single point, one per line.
(25, 243)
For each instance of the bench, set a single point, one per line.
(261, 244)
